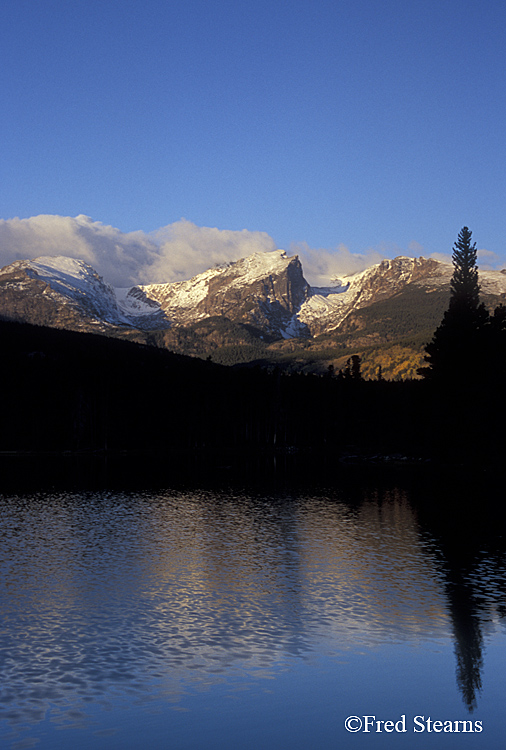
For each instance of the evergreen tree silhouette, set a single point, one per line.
(459, 341)
(352, 371)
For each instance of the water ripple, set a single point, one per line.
(141, 594)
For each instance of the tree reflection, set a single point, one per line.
(468, 642)
(463, 514)
(194, 584)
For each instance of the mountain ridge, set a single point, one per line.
(258, 309)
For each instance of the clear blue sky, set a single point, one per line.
(372, 124)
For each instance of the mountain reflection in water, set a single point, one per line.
(135, 595)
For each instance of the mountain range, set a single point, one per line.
(258, 310)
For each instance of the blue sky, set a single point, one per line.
(379, 126)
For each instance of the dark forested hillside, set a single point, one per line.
(65, 391)
(71, 391)
(390, 334)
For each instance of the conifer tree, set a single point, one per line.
(464, 284)
(458, 341)
(352, 371)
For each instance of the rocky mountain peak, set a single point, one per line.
(326, 309)
(254, 303)
(264, 290)
(389, 276)
(65, 293)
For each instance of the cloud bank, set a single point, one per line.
(175, 252)
(322, 267)
(488, 260)
(118, 257)
(185, 249)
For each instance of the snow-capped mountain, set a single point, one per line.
(265, 291)
(327, 308)
(68, 293)
(265, 294)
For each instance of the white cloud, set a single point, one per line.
(323, 266)
(186, 249)
(177, 251)
(488, 260)
(441, 257)
(115, 255)
(415, 250)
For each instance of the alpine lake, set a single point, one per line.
(257, 608)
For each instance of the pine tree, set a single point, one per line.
(352, 371)
(457, 345)
(356, 364)
(464, 284)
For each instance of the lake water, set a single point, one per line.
(254, 618)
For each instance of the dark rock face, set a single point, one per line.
(264, 290)
(268, 303)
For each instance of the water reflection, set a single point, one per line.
(467, 519)
(142, 595)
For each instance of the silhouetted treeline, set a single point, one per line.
(69, 391)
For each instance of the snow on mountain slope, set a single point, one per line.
(134, 303)
(181, 295)
(266, 291)
(492, 282)
(326, 308)
(239, 274)
(79, 282)
(71, 285)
